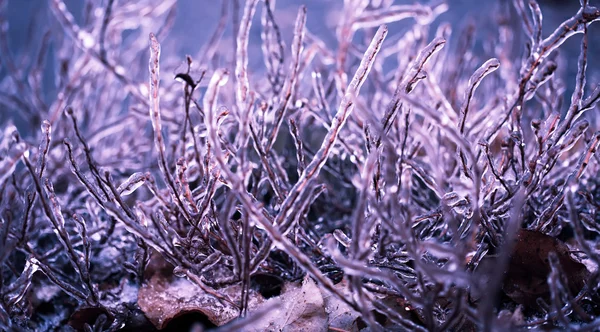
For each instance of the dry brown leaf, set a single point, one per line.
(164, 298)
(526, 278)
(300, 308)
(341, 315)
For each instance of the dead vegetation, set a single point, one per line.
(391, 182)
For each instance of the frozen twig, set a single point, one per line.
(157, 124)
(272, 47)
(487, 68)
(347, 105)
(290, 83)
(241, 57)
(105, 21)
(409, 81)
(377, 17)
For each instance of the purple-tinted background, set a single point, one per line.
(196, 20)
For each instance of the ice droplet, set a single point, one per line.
(46, 127)
(86, 39)
(120, 70)
(144, 89)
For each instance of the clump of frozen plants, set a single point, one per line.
(394, 180)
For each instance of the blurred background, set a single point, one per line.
(196, 20)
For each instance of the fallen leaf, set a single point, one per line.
(299, 308)
(341, 315)
(163, 298)
(526, 278)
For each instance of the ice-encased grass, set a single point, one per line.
(402, 193)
